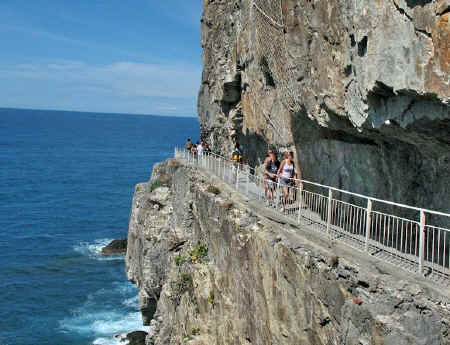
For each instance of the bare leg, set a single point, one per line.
(283, 200)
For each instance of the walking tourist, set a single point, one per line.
(237, 158)
(271, 166)
(236, 155)
(188, 145)
(200, 149)
(194, 151)
(286, 174)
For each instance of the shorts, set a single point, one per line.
(286, 182)
(271, 183)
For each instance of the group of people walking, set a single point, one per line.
(197, 149)
(282, 174)
(276, 173)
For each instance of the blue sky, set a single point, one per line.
(137, 56)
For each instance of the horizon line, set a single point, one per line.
(98, 112)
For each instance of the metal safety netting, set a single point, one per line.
(271, 54)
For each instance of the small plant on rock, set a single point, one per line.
(213, 189)
(154, 184)
(180, 286)
(185, 282)
(180, 259)
(211, 298)
(191, 335)
(199, 253)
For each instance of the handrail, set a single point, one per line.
(393, 203)
(410, 244)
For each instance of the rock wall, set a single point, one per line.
(223, 270)
(359, 89)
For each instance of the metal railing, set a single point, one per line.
(359, 221)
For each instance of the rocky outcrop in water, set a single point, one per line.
(115, 247)
(359, 89)
(215, 268)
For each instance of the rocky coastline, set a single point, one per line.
(215, 268)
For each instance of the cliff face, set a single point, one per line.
(359, 89)
(223, 270)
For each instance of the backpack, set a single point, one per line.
(188, 145)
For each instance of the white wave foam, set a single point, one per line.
(93, 250)
(104, 320)
(104, 323)
(132, 302)
(125, 288)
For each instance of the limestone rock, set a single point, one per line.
(136, 338)
(360, 90)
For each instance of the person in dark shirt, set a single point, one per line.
(271, 166)
(188, 145)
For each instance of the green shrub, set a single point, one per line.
(185, 281)
(192, 334)
(213, 189)
(211, 298)
(154, 184)
(179, 287)
(180, 260)
(199, 253)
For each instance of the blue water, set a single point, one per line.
(66, 186)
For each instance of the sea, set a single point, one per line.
(66, 186)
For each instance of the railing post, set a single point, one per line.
(368, 223)
(300, 202)
(422, 241)
(330, 198)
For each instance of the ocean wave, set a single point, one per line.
(132, 302)
(103, 321)
(93, 250)
(104, 324)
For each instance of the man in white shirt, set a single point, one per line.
(200, 149)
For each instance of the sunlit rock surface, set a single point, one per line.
(359, 89)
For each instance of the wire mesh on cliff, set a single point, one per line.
(270, 51)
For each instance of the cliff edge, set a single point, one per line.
(215, 268)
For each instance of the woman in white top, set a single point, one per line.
(286, 175)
